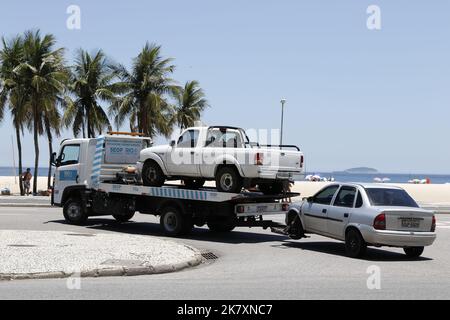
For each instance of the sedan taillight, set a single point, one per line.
(379, 223)
(433, 224)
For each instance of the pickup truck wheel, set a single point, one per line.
(152, 175)
(73, 212)
(124, 218)
(413, 252)
(194, 183)
(228, 180)
(273, 188)
(174, 223)
(355, 246)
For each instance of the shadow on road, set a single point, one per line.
(338, 249)
(202, 234)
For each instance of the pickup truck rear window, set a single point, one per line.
(390, 197)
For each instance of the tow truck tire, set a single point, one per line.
(152, 175)
(73, 212)
(271, 188)
(221, 227)
(228, 180)
(194, 183)
(355, 246)
(124, 218)
(413, 252)
(174, 223)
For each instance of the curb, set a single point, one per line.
(25, 205)
(110, 272)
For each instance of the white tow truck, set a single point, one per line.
(97, 177)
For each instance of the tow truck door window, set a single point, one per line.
(70, 154)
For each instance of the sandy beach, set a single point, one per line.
(423, 193)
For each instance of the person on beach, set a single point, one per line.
(26, 178)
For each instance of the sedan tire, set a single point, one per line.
(413, 252)
(355, 246)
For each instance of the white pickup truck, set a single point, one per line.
(223, 154)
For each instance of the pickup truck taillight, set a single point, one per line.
(379, 223)
(302, 160)
(259, 157)
(433, 224)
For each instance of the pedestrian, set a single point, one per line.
(26, 178)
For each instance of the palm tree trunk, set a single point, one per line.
(89, 129)
(19, 152)
(36, 150)
(50, 149)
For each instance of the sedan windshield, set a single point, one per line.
(390, 197)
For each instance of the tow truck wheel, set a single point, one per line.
(124, 217)
(221, 226)
(152, 175)
(174, 223)
(73, 212)
(413, 252)
(228, 180)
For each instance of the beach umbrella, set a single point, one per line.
(386, 179)
(377, 179)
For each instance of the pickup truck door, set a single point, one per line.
(315, 211)
(183, 160)
(340, 213)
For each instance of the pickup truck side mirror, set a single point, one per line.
(172, 143)
(310, 199)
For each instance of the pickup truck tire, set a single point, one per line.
(413, 252)
(174, 223)
(194, 183)
(152, 174)
(73, 212)
(221, 227)
(271, 188)
(228, 180)
(355, 246)
(124, 217)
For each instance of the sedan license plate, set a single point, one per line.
(410, 223)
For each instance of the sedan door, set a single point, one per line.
(315, 211)
(340, 212)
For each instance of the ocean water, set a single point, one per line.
(9, 171)
(394, 177)
(338, 176)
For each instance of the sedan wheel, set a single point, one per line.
(355, 246)
(413, 252)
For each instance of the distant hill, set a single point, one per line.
(361, 170)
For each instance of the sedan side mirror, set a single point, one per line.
(172, 143)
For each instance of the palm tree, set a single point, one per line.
(91, 81)
(191, 102)
(148, 86)
(45, 76)
(13, 92)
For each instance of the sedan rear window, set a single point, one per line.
(390, 197)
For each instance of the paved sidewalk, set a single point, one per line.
(56, 254)
(25, 201)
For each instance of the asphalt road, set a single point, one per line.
(251, 264)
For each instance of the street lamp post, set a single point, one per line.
(283, 101)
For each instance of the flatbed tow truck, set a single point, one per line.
(95, 177)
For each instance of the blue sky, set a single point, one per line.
(355, 97)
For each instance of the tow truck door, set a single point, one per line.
(68, 170)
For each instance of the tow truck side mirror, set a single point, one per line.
(53, 159)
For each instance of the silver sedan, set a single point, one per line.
(364, 215)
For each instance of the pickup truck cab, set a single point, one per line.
(223, 154)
